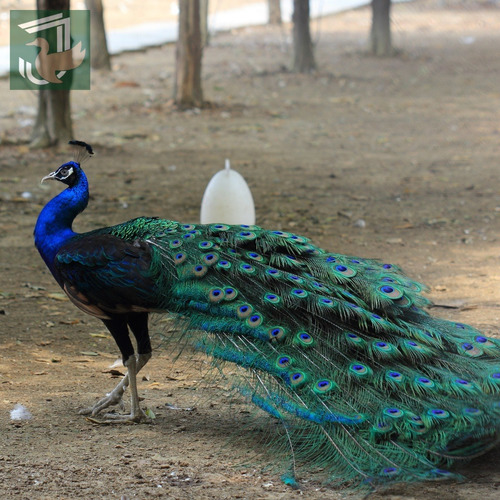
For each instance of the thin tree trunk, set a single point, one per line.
(205, 36)
(380, 35)
(53, 122)
(274, 12)
(302, 44)
(189, 51)
(98, 45)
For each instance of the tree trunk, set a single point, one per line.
(302, 44)
(98, 46)
(380, 35)
(53, 122)
(189, 51)
(274, 11)
(204, 23)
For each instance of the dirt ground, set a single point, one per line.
(407, 145)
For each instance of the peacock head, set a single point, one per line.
(70, 172)
(67, 174)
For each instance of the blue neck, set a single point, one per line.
(53, 227)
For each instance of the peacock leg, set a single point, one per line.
(136, 414)
(118, 326)
(115, 396)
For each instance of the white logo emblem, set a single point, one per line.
(51, 67)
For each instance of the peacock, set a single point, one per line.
(369, 388)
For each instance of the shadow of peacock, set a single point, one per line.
(368, 386)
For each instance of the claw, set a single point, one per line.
(111, 399)
(118, 418)
(134, 364)
(139, 417)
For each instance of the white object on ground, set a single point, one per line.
(227, 199)
(20, 412)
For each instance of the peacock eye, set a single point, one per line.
(64, 172)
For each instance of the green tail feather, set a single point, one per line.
(369, 387)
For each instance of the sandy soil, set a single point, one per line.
(409, 145)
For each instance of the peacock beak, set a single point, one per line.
(49, 177)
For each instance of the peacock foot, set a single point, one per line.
(139, 417)
(111, 399)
